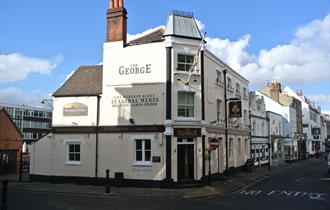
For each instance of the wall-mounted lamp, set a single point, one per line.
(131, 120)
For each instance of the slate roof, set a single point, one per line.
(182, 24)
(86, 81)
(155, 36)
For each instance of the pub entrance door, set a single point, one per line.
(186, 159)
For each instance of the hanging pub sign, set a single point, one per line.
(235, 109)
(75, 109)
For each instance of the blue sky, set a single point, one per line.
(42, 42)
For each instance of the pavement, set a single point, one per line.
(224, 186)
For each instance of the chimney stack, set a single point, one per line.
(275, 90)
(116, 21)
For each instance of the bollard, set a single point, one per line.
(4, 194)
(107, 182)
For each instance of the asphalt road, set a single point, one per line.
(304, 188)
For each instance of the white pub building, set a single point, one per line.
(148, 113)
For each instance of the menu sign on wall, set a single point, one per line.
(140, 100)
(75, 109)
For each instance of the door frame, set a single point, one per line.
(193, 142)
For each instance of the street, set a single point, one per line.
(303, 188)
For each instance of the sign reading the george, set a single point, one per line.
(187, 132)
(75, 109)
(235, 109)
(135, 100)
(135, 69)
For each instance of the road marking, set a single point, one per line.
(277, 193)
(325, 179)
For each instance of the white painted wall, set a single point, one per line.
(60, 120)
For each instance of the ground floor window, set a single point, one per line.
(230, 149)
(143, 150)
(73, 155)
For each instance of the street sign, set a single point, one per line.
(214, 143)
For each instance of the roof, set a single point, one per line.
(155, 36)
(182, 24)
(86, 81)
(2, 109)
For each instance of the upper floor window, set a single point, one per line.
(185, 62)
(218, 79)
(244, 92)
(186, 104)
(219, 107)
(229, 84)
(238, 88)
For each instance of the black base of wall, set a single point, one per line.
(96, 181)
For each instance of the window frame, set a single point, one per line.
(143, 150)
(230, 148)
(185, 63)
(67, 152)
(186, 106)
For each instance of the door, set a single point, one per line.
(185, 162)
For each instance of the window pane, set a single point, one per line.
(77, 157)
(181, 112)
(71, 157)
(190, 98)
(138, 144)
(71, 148)
(77, 148)
(188, 67)
(138, 155)
(190, 59)
(147, 145)
(181, 67)
(190, 112)
(181, 58)
(147, 156)
(181, 98)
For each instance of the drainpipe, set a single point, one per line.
(226, 118)
(97, 137)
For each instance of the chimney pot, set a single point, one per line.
(111, 3)
(121, 3)
(115, 4)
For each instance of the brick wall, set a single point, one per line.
(10, 137)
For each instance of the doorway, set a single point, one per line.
(186, 159)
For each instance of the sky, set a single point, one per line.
(42, 42)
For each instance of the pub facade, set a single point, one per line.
(149, 112)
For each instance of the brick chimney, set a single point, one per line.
(116, 21)
(275, 90)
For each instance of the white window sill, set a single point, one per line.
(190, 119)
(142, 164)
(73, 163)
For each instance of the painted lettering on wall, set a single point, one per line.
(75, 109)
(141, 100)
(135, 69)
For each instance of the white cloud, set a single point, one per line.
(303, 61)
(319, 99)
(200, 25)
(13, 95)
(131, 37)
(232, 53)
(17, 67)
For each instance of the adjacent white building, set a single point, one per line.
(260, 145)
